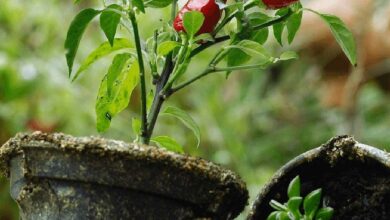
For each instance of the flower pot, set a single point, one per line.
(355, 180)
(55, 176)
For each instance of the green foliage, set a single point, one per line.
(109, 21)
(102, 51)
(158, 3)
(168, 54)
(291, 210)
(75, 32)
(166, 47)
(192, 22)
(342, 34)
(168, 143)
(185, 118)
(116, 89)
(292, 24)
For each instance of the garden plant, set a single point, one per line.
(292, 208)
(52, 175)
(159, 64)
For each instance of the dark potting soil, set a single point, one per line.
(355, 191)
(355, 181)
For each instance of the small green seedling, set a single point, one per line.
(293, 210)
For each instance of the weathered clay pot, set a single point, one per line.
(355, 179)
(55, 176)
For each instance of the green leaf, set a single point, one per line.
(103, 50)
(288, 55)
(277, 205)
(204, 37)
(325, 213)
(193, 21)
(118, 65)
(312, 202)
(108, 106)
(75, 32)
(139, 4)
(157, 3)
(273, 215)
(294, 188)
(149, 100)
(166, 47)
(136, 126)
(294, 23)
(279, 27)
(282, 216)
(186, 119)
(252, 49)
(109, 21)
(258, 18)
(342, 34)
(168, 143)
(293, 205)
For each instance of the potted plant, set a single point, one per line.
(59, 176)
(354, 179)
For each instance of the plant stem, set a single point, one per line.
(214, 70)
(144, 124)
(159, 96)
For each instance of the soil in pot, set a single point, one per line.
(57, 176)
(355, 180)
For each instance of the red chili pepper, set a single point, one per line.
(208, 8)
(276, 4)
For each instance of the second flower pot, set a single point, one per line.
(355, 180)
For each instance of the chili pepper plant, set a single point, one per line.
(158, 64)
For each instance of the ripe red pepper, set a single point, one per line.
(276, 4)
(208, 8)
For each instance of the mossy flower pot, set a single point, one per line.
(56, 176)
(355, 180)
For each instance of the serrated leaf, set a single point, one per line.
(192, 22)
(186, 119)
(294, 188)
(108, 106)
(312, 202)
(157, 3)
(342, 34)
(168, 143)
(166, 47)
(109, 21)
(75, 33)
(325, 213)
(139, 4)
(102, 51)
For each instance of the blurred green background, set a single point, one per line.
(252, 122)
